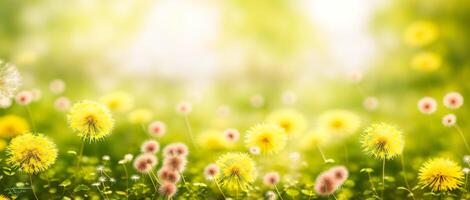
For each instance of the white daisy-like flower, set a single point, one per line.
(10, 79)
(449, 120)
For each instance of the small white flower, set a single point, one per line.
(135, 177)
(370, 103)
(255, 150)
(112, 180)
(466, 159)
(102, 179)
(95, 184)
(106, 158)
(100, 168)
(270, 195)
(62, 104)
(10, 79)
(453, 100)
(128, 157)
(24, 98)
(449, 120)
(427, 105)
(257, 101)
(184, 107)
(466, 170)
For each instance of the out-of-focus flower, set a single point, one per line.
(140, 116)
(293, 122)
(223, 111)
(340, 173)
(212, 140)
(157, 128)
(289, 97)
(62, 104)
(5, 102)
(270, 195)
(184, 108)
(144, 163)
(12, 126)
(24, 97)
(175, 163)
(420, 33)
(314, 138)
(237, 171)
(176, 149)
(339, 123)
(426, 61)
(271, 178)
(135, 177)
(3, 145)
(355, 76)
(36, 93)
(150, 146)
(168, 189)
(106, 158)
(91, 120)
(370, 103)
(325, 184)
(440, 174)
(231, 135)
(169, 175)
(427, 105)
(453, 100)
(210, 171)
(32, 153)
(449, 120)
(57, 86)
(382, 141)
(118, 101)
(254, 150)
(10, 79)
(268, 137)
(257, 101)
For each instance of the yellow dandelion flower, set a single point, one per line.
(291, 121)
(91, 120)
(339, 123)
(237, 171)
(440, 174)
(212, 140)
(31, 153)
(420, 33)
(12, 125)
(118, 101)
(314, 138)
(140, 116)
(426, 61)
(3, 197)
(268, 137)
(382, 141)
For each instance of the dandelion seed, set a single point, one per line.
(10, 80)
(150, 146)
(231, 135)
(91, 120)
(32, 153)
(453, 100)
(449, 120)
(211, 171)
(57, 86)
(62, 104)
(157, 129)
(268, 137)
(237, 171)
(427, 105)
(168, 189)
(24, 98)
(440, 174)
(271, 178)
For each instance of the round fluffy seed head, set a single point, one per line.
(168, 189)
(118, 101)
(175, 163)
(291, 121)
(237, 171)
(453, 100)
(420, 33)
(184, 108)
(340, 173)
(270, 195)
(441, 174)
(427, 105)
(145, 162)
(325, 184)
(268, 137)
(5, 102)
(140, 116)
(449, 120)
(176, 149)
(426, 61)
(31, 153)
(24, 97)
(62, 104)
(254, 150)
(10, 79)
(211, 171)
(91, 120)
(339, 123)
(150, 146)
(157, 129)
(57, 86)
(12, 125)
(231, 135)
(370, 103)
(382, 141)
(271, 178)
(168, 175)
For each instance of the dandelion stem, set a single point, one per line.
(346, 154)
(156, 178)
(80, 155)
(372, 184)
(184, 181)
(333, 194)
(383, 179)
(127, 180)
(321, 153)
(218, 186)
(278, 193)
(464, 186)
(32, 186)
(402, 158)
(153, 183)
(190, 131)
(463, 137)
(30, 115)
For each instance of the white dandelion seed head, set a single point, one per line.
(465, 170)
(62, 103)
(255, 150)
(128, 157)
(370, 103)
(231, 135)
(10, 79)
(289, 97)
(453, 100)
(24, 97)
(271, 178)
(5, 102)
(184, 107)
(427, 105)
(257, 100)
(57, 86)
(157, 129)
(449, 120)
(271, 195)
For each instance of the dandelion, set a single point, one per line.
(325, 184)
(24, 98)
(3, 197)
(57, 86)
(231, 135)
(10, 80)
(5, 102)
(176, 149)
(440, 174)
(453, 100)
(175, 163)
(449, 120)
(370, 103)
(254, 150)
(426, 61)
(257, 101)
(271, 178)
(420, 33)
(270, 195)
(145, 162)
(211, 171)
(268, 137)
(62, 104)
(157, 129)
(184, 108)
(118, 101)
(3, 145)
(168, 175)
(168, 189)
(427, 105)
(140, 116)
(31, 153)
(382, 141)
(150, 146)
(212, 140)
(91, 120)
(339, 123)
(237, 171)
(290, 120)
(340, 173)
(12, 126)
(106, 158)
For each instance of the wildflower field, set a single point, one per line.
(236, 99)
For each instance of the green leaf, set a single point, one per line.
(65, 183)
(308, 192)
(292, 192)
(367, 170)
(402, 188)
(81, 187)
(72, 152)
(121, 193)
